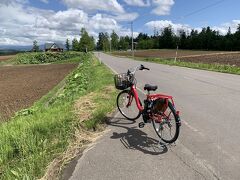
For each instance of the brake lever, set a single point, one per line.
(141, 67)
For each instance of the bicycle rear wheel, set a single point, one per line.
(167, 126)
(127, 106)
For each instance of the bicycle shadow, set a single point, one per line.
(136, 139)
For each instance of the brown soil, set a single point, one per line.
(209, 57)
(5, 58)
(229, 59)
(21, 86)
(164, 53)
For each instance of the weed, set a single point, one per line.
(35, 137)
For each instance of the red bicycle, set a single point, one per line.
(158, 108)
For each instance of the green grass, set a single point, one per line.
(35, 136)
(210, 67)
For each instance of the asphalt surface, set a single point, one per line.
(209, 142)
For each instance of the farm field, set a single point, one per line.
(21, 86)
(208, 57)
(5, 58)
(225, 58)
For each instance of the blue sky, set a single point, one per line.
(22, 21)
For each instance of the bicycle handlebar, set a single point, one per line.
(140, 67)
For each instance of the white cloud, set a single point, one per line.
(140, 3)
(223, 28)
(159, 25)
(99, 23)
(163, 7)
(96, 5)
(21, 24)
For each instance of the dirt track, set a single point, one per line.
(21, 86)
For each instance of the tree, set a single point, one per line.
(167, 38)
(103, 43)
(75, 44)
(123, 44)
(146, 44)
(35, 46)
(100, 41)
(86, 42)
(114, 40)
(192, 40)
(142, 36)
(106, 42)
(236, 39)
(183, 39)
(67, 45)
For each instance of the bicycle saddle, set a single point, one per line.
(149, 87)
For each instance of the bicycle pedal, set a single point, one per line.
(141, 125)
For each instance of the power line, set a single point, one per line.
(202, 9)
(182, 17)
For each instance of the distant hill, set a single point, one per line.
(18, 48)
(13, 49)
(8, 52)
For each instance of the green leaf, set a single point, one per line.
(15, 173)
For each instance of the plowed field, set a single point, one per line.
(21, 86)
(208, 57)
(5, 58)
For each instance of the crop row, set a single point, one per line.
(44, 57)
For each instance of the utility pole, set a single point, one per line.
(132, 39)
(110, 43)
(175, 60)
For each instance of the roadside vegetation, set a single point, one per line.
(210, 67)
(42, 57)
(36, 136)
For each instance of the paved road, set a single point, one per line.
(209, 142)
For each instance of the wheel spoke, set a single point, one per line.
(167, 129)
(126, 105)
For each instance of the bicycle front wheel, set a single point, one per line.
(127, 106)
(166, 125)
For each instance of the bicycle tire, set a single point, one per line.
(119, 104)
(176, 121)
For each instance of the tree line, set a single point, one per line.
(206, 39)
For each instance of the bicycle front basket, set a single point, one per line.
(122, 81)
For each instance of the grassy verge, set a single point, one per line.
(36, 136)
(210, 67)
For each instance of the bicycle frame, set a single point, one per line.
(157, 108)
(150, 97)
